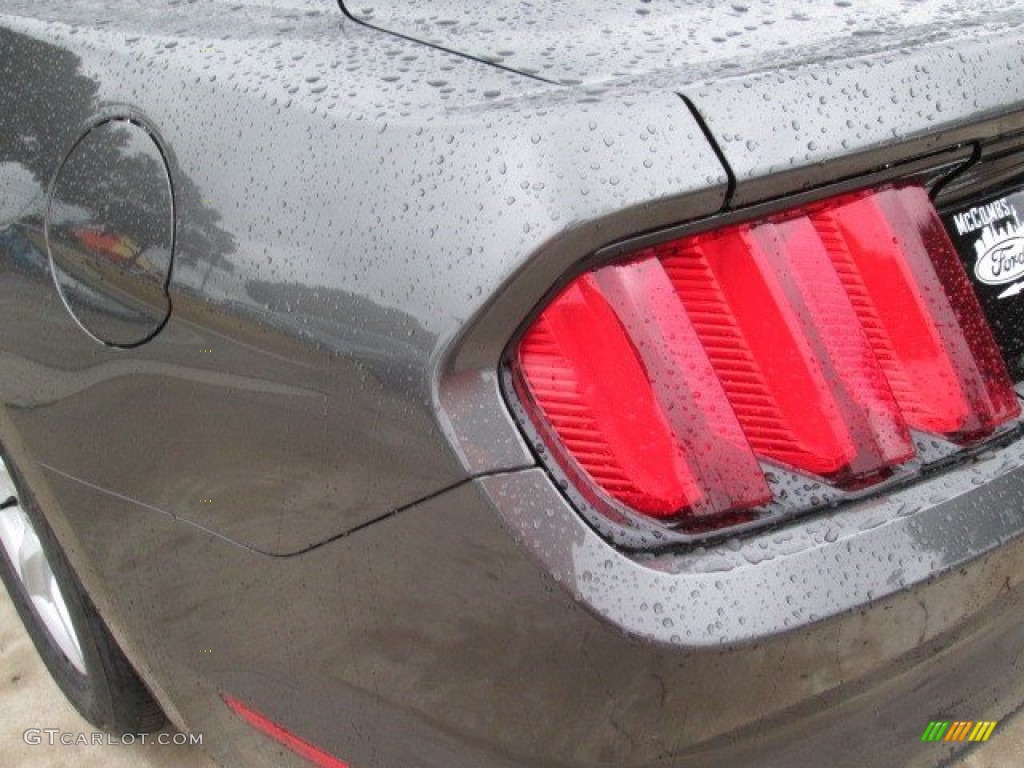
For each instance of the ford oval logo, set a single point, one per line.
(1003, 262)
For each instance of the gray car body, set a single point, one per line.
(307, 490)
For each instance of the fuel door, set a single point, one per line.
(110, 232)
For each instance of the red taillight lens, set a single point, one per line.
(649, 424)
(809, 393)
(913, 298)
(813, 341)
(585, 372)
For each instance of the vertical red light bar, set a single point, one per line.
(685, 385)
(583, 371)
(789, 350)
(622, 380)
(914, 300)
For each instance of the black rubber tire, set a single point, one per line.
(111, 696)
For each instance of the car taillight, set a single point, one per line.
(811, 343)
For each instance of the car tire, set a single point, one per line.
(70, 636)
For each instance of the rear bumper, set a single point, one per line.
(756, 586)
(469, 655)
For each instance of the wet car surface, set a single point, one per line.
(269, 277)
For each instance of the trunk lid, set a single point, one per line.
(592, 41)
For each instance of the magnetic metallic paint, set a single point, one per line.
(311, 469)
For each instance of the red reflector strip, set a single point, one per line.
(283, 736)
(914, 299)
